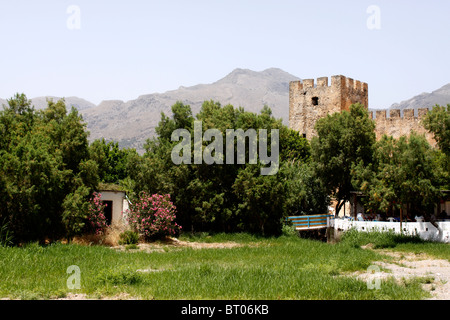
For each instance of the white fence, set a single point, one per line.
(425, 230)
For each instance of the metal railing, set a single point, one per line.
(310, 222)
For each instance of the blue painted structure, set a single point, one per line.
(310, 222)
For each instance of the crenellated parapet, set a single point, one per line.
(397, 123)
(336, 82)
(397, 113)
(408, 113)
(312, 99)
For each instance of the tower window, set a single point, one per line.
(315, 101)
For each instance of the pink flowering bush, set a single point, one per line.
(96, 215)
(153, 216)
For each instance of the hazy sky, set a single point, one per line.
(100, 50)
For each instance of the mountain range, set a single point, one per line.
(440, 96)
(41, 102)
(132, 122)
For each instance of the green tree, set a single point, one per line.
(437, 121)
(305, 193)
(67, 132)
(293, 146)
(214, 197)
(260, 201)
(75, 208)
(111, 160)
(344, 140)
(403, 172)
(182, 119)
(43, 159)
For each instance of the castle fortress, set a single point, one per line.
(309, 102)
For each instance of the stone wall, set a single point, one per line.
(310, 101)
(396, 125)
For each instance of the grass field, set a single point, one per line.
(287, 267)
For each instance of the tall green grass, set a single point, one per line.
(276, 268)
(205, 237)
(398, 242)
(6, 236)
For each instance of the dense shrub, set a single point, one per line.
(128, 237)
(153, 216)
(118, 276)
(96, 215)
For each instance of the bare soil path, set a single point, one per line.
(406, 265)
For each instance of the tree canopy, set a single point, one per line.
(44, 163)
(404, 172)
(437, 121)
(49, 171)
(228, 197)
(343, 140)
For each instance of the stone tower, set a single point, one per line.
(309, 102)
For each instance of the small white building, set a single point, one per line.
(116, 205)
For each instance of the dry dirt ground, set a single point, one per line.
(175, 243)
(408, 265)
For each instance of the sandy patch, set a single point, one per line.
(82, 296)
(408, 265)
(169, 243)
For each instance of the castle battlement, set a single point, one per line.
(397, 114)
(310, 100)
(395, 123)
(338, 81)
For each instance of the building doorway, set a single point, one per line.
(107, 211)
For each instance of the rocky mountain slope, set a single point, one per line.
(426, 100)
(80, 104)
(132, 122)
(41, 102)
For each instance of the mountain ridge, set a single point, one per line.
(428, 100)
(132, 122)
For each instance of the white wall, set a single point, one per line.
(424, 230)
(125, 207)
(118, 199)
